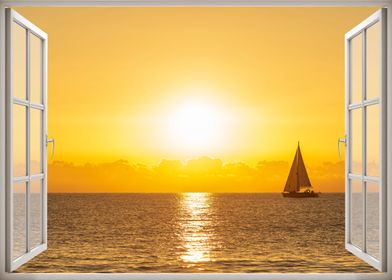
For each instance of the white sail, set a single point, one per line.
(298, 176)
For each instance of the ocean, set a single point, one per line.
(195, 232)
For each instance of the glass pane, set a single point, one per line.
(356, 141)
(35, 141)
(35, 69)
(35, 213)
(18, 61)
(19, 220)
(373, 61)
(356, 213)
(356, 69)
(19, 140)
(373, 219)
(373, 140)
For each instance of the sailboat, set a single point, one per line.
(298, 184)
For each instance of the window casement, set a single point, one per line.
(366, 140)
(26, 185)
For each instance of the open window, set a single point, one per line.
(26, 153)
(366, 140)
(26, 183)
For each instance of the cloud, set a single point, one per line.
(198, 175)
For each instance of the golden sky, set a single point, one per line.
(241, 85)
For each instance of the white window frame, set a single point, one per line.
(32, 30)
(363, 104)
(177, 276)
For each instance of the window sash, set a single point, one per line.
(380, 264)
(12, 263)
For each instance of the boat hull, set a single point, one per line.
(300, 194)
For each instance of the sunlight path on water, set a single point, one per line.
(196, 239)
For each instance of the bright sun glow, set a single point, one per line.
(196, 125)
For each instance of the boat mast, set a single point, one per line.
(298, 186)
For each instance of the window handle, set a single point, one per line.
(341, 140)
(50, 140)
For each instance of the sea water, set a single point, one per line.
(195, 232)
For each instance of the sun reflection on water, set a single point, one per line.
(196, 236)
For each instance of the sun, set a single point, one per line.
(196, 125)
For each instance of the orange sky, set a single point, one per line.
(241, 85)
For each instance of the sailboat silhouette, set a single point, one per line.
(298, 179)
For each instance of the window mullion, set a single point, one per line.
(364, 144)
(28, 167)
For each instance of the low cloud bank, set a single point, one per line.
(197, 175)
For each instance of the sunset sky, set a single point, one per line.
(240, 85)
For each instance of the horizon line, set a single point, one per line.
(174, 192)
